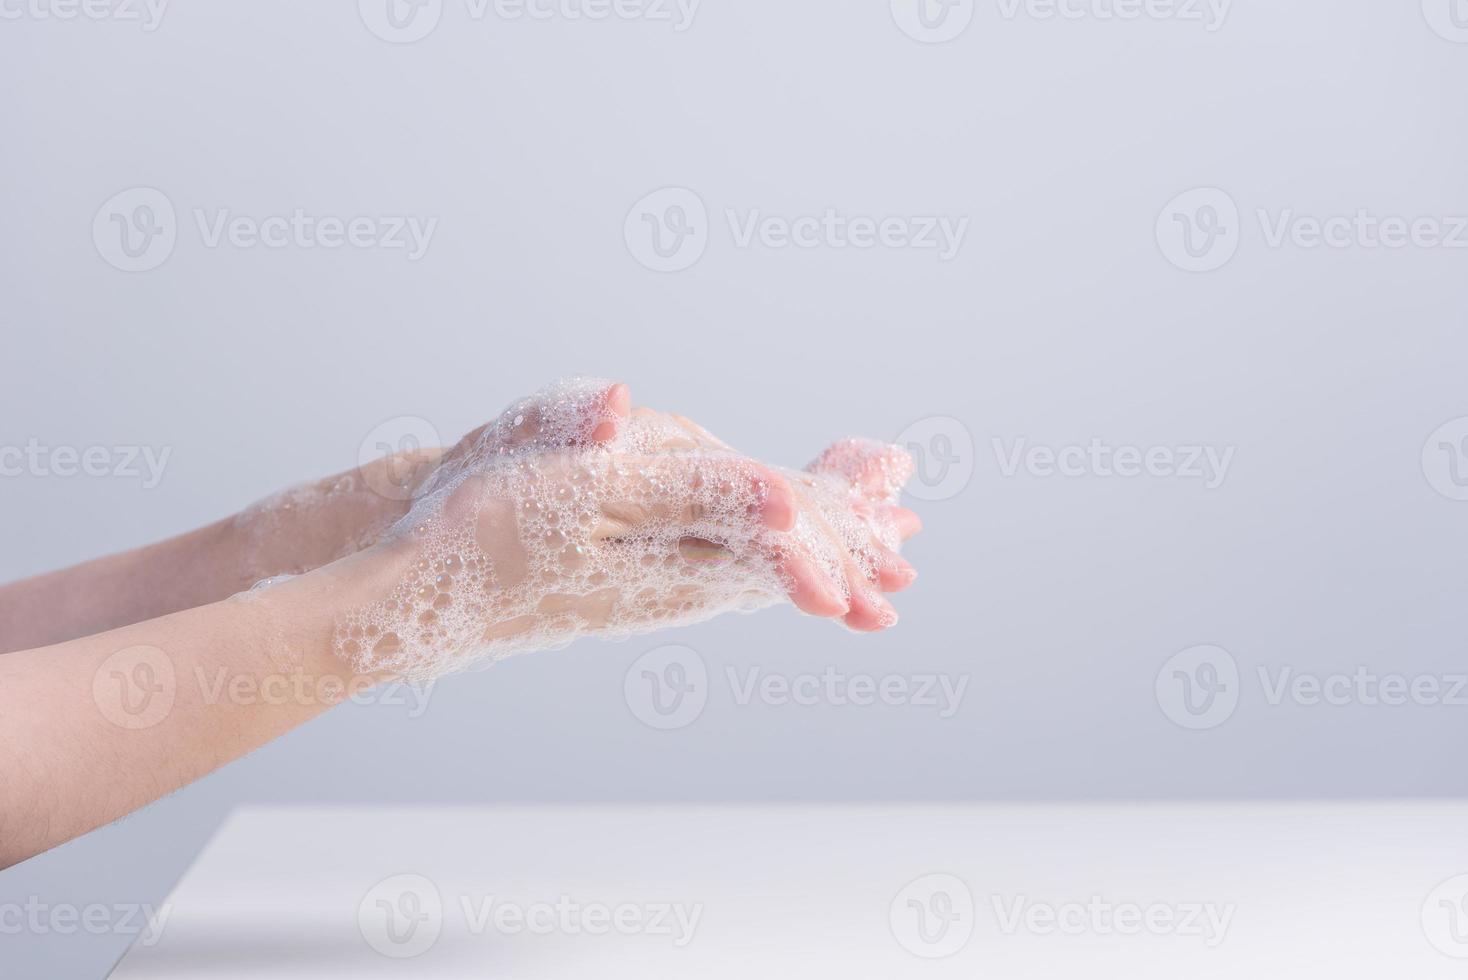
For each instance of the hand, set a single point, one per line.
(571, 514)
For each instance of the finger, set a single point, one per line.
(877, 470)
(906, 522)
(692, 493)
(811, 589)
(691, 490)
(894, 573)
(780, 506)
(831, 549)
(702, 551)
(808, 587)
(870, 612)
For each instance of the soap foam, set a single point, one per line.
(529, 535)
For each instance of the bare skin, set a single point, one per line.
(136, 674)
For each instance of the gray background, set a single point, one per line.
(1061, 319)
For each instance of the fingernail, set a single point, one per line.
(840, 598)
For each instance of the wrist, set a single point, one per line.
(294, 625)
(311, 525)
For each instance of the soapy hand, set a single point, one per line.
(571, 514)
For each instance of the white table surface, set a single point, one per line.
(1305, 890)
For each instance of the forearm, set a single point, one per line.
(190, 570)
(293, 532)
(94, 728)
